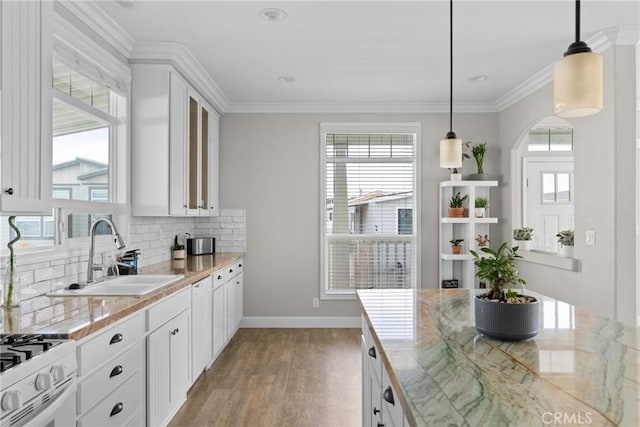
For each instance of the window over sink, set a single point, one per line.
(89, 116)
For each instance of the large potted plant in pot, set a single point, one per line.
(502, 312)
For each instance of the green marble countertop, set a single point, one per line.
(580, 369)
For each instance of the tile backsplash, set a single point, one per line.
(152, 235)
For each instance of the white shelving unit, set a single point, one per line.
(461, 267)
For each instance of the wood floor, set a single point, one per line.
(280, 377)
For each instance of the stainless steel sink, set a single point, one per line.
(136, 285)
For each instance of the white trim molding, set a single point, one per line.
(364, 107)
(300, 322)
(181, 58)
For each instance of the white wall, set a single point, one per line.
(604, 154)
(270, 165)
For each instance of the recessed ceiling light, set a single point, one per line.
(286, 79)
(126, 4)
(272, 14)
(479, 78)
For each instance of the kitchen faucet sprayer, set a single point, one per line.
(117, 239)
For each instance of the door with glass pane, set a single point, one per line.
(548, 200)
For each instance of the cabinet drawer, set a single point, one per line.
(108, 343)
(109, 377)
(125, 403)
(218, 279)
(230, 271)
(168, 308)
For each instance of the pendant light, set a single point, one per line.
(577, 81)
(451, 146)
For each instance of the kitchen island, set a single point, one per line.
(580, 369)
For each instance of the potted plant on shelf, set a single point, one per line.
(455, 246)
(456, 210)
(522, 238)
(482, 240)
(481, 205)
(565, 238)
(178, 251)
(501, 312)
(478, 151)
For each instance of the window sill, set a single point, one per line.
(550, 260)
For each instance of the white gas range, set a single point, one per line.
(38, 380)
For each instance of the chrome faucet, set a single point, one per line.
(92, 234)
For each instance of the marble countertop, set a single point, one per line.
(78, 317)
(580, 369)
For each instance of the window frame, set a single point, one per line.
(326, 128)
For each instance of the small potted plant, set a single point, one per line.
(455, 246)
(481, 205)
(178, 251)
(501, 312)
(456, 210)
(522, 238)
(478, 151)
(565, 238)
(482, 240)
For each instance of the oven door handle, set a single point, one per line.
(48, 413)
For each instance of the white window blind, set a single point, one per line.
(369, 210)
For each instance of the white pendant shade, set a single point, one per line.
(577, 85)
(451, 153)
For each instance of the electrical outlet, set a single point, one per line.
(316, 303)
(590, 238)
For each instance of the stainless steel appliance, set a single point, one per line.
(38, 377)
(201, 245)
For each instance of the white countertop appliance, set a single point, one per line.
(38, 380)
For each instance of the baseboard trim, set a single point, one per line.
(299, 322)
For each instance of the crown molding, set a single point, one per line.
(363, 107)
(101, 23)
(179, 57)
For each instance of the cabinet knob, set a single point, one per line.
(219, 277)
(380, 424)
(376, 411)
(116, 371)
(388, 396)
(184, 206)
(116, 339)
(240, 265)
(372, 352)
(116, 409)
(9, 191)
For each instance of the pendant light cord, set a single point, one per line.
(577, 20)
(450, 65)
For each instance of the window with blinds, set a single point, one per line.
(369, 207)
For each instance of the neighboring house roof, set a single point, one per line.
(93, 174)
(379, 196)
(373, 197)
(77, 161)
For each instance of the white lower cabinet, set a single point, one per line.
(168, 356)
(201, 326)
(380, 405)
(111, 375)
(219, 313)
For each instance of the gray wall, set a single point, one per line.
(270, 165)
(605, 179)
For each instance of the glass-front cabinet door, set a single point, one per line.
(202, 159)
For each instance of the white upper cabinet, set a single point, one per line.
(25, 106)
(174, 146)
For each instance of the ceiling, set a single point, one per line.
(371, 53)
